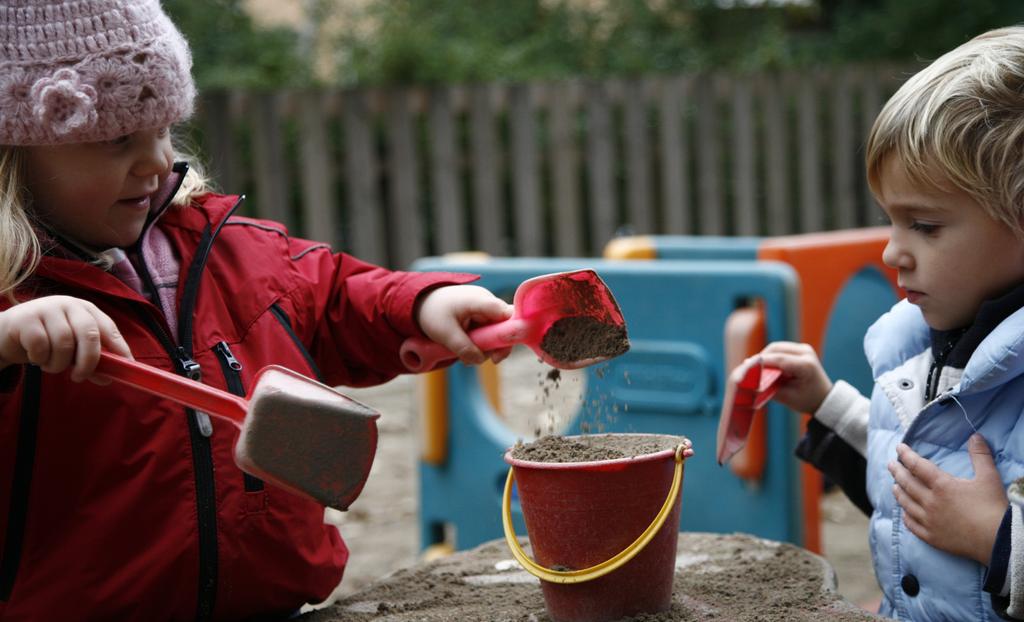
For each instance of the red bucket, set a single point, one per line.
(584, 518)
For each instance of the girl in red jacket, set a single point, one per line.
(115, 505)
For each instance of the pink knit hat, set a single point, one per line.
(89, 70)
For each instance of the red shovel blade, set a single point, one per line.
(569, 319)
(750, 386)
(575, 318)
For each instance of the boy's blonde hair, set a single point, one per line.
(20, 247)
(962, 119)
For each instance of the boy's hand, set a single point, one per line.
(804, 381)
(57, 332)
(446, 313)
(959, 516)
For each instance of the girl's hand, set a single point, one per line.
(804, 381)
(447, 313)
(959, 516)
(57, 332)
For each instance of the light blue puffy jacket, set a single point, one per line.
(991, 391)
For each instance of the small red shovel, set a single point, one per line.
(296, 433)
(750, 386)
(569, 319)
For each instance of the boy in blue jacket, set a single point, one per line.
(942, 436)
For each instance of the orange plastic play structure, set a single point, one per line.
(824, 262)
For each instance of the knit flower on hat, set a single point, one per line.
(63, 102)
(16, 93)
(116, 81)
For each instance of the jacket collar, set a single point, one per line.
(961, 343)
(991, 350)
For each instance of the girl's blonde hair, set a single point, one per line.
(961, 119)
(20, 245)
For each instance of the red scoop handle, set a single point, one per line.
(161, 383)
(420, 354)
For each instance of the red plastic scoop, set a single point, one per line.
(296, 433)
(569, 319)
(751, 385)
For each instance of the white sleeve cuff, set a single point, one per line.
(1015, 575)
(845, 411)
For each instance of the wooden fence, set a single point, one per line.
(550, 168)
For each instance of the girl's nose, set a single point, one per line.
(154, 156)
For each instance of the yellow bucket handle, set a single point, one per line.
(598, 570)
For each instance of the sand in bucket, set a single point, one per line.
(586, 500)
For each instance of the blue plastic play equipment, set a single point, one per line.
(671, 381)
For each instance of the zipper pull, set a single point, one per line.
(189, 366)
(225, 353)
(193, 370)
(204, 423)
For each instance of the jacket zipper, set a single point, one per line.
(202, 466)
(206, 498)
(232, 369)
(199, 430)
(17, 513)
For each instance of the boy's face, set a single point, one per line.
(950, 254)
(98, 193)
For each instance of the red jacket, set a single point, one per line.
(117, 505)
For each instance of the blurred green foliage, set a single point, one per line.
(869, 30)
(440, 41)
(228, 50)
(433, 41)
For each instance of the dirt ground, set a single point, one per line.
(381, 527)
(714, 577)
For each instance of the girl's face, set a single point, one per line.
(98, 193)
(950, 254)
